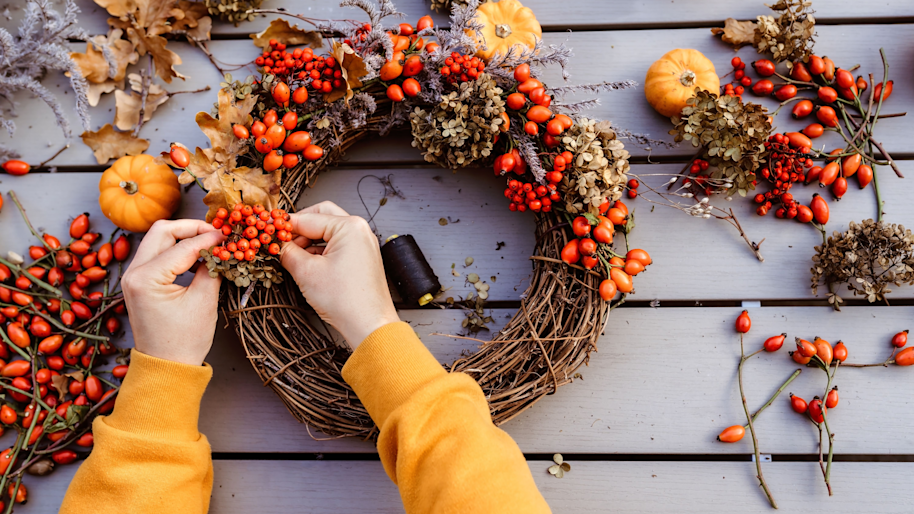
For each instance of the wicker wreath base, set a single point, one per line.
(550, 336)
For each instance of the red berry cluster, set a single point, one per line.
(527, 195)
(361, 34)
(462, 68)
(323, 74)
(787, 165)
(250, 229)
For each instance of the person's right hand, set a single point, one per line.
(343, 281)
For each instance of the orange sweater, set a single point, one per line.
(437, 441)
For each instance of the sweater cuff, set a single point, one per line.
(388, 367)
(160, 399)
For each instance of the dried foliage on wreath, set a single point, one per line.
(272, 135)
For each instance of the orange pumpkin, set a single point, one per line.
(137, 191)
(505, 24)
(672, 80)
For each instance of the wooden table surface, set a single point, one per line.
(639, 427)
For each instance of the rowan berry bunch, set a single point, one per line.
(530, 195)
(53, 349)
(320, 73)
(250, 253)
(251, 230)
(461, 68)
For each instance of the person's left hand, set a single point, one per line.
(171, 321)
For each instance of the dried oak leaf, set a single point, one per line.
(248, 185)
(193, 20)
(353, 69)
(104, 75)
(108, 143)
(736, 33)
(128, 106)
(219, 130)
(290, 35)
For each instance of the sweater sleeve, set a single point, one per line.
(437, 441)
(148, 454)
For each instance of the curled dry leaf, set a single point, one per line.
(353, 69)
(290, 35)
(108, 143)
(128, 105)
(736, 33)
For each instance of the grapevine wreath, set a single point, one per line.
(469, 102)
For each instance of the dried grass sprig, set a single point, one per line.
(42, 45)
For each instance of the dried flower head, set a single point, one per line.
(233, 11)
(869, 257)
(731, 132)
(597, 172)
(461, 129)
(789, 37)
(447, 5)
(264, 269)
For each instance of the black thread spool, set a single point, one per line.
(408, 270)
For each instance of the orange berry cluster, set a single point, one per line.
(462, 68)
(251, 229)
(323, 74)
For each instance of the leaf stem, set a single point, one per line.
(776, 393)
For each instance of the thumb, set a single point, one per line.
(299, 262)
(204, 286)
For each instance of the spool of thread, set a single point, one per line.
(408, 270)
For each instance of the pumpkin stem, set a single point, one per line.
(129, 186)
(503, 30)
(687, 78)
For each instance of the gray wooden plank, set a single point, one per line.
(632, 487)
(590, 487)
(556, 16)
(662, 382)
(685, 249)
(599, 56)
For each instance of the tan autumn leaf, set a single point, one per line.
(353, 69)
(736, 33)
(93, 64)
(248, 185)
(219, 130)
(117, 8)
(128, 105)
(60, 383)
(164, 59)
(108, 143)
(193, 20)
(290, 35)
(97, 90)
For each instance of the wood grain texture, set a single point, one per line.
(332, 487)
(599, 56)
(557, 16)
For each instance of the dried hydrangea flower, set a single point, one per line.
(788, 37)
(731, 132)
(868, 257)
(460, 131)
(597, 172)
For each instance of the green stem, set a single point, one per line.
(40, 283)
(742, 394)
(831, 436)
(776, 394)
(60, 326)
(28, 223)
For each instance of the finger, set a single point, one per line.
(296, 260)
(316, 227)
(315, 250)
(301, 241)
(180, 257)
(163, 235)
(324, 208)
(204, 287)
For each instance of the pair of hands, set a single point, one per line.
(343, 281)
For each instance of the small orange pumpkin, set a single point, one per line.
(137, 191)
(672, 80)
(505, 24)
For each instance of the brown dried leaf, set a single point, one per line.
(118, 8)
(290, 35)
(128, 106)
(193, 20)
(248, 185)
(108, 144)
(353, 69)
(60, 383)
(736, 33)
(219, 130)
